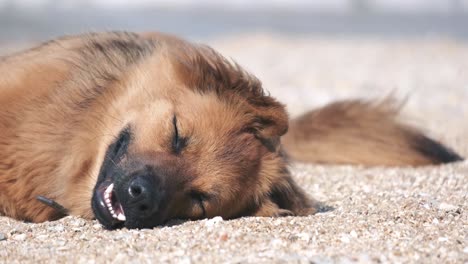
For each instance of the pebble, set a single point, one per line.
(57, 228)
(224, 237)
(2, 237)
(442, 239)
(303, 237)
(447, 207)
(278, 222)
(345, 238)
(276, 242)
(19, 237)
(213, 221)
(42, 237)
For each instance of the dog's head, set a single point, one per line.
(197, 138)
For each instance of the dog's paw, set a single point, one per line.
(270, 209)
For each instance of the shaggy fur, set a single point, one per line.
(75, 109)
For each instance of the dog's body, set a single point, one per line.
(137, 129)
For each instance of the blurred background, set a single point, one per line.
(306, 52)
(37, 19)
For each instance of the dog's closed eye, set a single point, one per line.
(178, 142)
(121, 145)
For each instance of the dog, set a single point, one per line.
(136, 129)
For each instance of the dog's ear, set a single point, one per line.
(204, 70)
(270, 123)
(286, 198)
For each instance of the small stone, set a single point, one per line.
(78, 222)
(447, 207)
(61, 242)
(304, 237)
(19, 237)
(224, 237)
(345, 239)
(59, 228)
(184, 260)
(278, 222)
(119, 258)
(62, 248)
(42, 237)
(276, 242)
(213, 221)
(2, 237)
(179, 253)
(442, 239)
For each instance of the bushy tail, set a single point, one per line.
(359, 132)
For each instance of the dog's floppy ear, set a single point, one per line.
(204, 70)
(286, 198)
(270, 123)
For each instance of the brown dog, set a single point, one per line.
(138, 129)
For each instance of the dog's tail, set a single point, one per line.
(359, 132)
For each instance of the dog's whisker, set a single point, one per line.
(51, 203)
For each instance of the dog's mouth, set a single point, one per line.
(107, 208)
(113, 205)
(105, 203)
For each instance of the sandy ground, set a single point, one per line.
(374, 215)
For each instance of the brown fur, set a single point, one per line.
(63, 103)
(358, 132)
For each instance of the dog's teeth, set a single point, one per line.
(121, 217)
(108, 202)
(109, 189)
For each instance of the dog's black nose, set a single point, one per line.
(142, 196)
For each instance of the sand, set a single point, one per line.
(390, 215)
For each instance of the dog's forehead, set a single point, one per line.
(169, 90)
(208, 109)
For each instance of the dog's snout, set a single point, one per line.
(138, 187)
(142, 194)
(145, 189)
